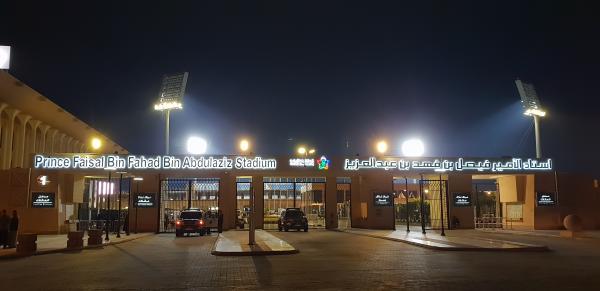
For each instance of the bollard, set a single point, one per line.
(27, 243)
(75, 239)
(94, 237)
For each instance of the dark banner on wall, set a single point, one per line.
(545, 199)
(461, 199)
(43, 199)
(144, 200)
(383, 199)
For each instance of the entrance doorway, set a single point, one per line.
(243, 192)
(308, 194)
(179, 194)
(420, 202)
(488, 213)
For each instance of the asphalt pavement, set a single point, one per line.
(327, 260)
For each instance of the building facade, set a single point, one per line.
(371, 192)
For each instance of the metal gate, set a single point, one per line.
(433, 206)
(179, 194)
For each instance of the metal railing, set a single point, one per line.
(489, 222)
(85, 225)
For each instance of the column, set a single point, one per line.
(50, 141)
(61, 143)
(7, 137)
(31, 141)
(259, 200)
(68, 145)
(41, 147)
(227, 200)
(331, 219)
(19, 150)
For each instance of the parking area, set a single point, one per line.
(327, 259)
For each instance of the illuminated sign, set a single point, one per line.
(323, 163)
(461, 199)
(449, 165)
(43, 180)
(545, 199)
(144, 200)
(4, 57)
(383, 199)
(42, 200)
(302, 162)
(132, 162)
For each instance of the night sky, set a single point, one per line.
(321, 73)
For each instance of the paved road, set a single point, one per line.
(327, 260)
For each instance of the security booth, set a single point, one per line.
(369, 192)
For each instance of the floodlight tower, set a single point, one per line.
(531, 105)
(171, 96)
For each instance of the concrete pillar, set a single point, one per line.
(61, 143)
(41, 146)
(7, 137)
(68, 144)
(76, 148)
(31, 141)
(259, 200)
(227, 200)
(50, 141)
(19, 150)
(331, 219)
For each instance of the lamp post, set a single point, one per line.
(531, 105)
(119, 204)
(407, 211)
(108, 192)
(171, 94)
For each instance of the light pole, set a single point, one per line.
(109, 191)
(119, 210)
(531, 105)
(171, 94)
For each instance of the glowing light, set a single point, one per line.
(413, 148)
(4, 57)
(96, 143)
(244, 145)
(196, 145)
(311, 151)
(323, 163)
(302, 150)
(535, 111)
(168, 105)
(138, 178)
(382, 146)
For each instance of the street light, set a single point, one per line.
(413, 148)
(96, 143)
(196, 145)
(171, 93)
(244, 145)
(302, 150)
(382, 146)
(531, 105)
(311, 151)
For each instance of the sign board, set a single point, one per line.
(144, 200)
(173, 88)
(383, 199)
(449, 164)
(302, 163)
(43, 199)
(133, 162)
(545, 199)
(4, 57)
(461, 199)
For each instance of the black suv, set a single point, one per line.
(292, 218)
(190, 221)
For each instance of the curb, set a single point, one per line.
(214, 252)
(69, 250)
(471, 249)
